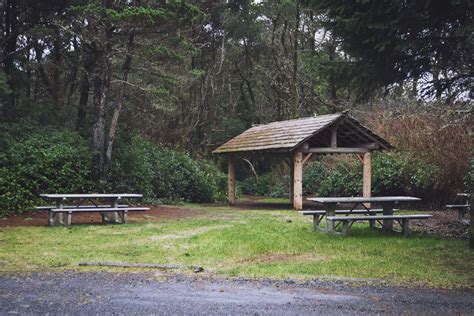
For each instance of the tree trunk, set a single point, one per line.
(294, 86)
(100, 78)
(11, 36)
(332, 80)
(118, 108)
(471, 223)
(84, 93)
(83, 99)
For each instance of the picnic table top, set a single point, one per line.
(91, 196)
(360, 199)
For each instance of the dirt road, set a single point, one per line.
(156, 293)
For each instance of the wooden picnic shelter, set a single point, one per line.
(297, 140)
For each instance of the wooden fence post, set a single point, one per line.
(292, 181)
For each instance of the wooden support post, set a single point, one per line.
(334, 136)
(367, 177)
(298, 180)
(292, 181)
(231, 180)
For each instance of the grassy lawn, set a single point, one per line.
(276, 244)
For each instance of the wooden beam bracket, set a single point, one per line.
(308, 156)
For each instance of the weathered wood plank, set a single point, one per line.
(360, 199)
(99, 209)
(91, 196)
(323, 212)
(48, 207)
(378, 217)
(367, 177)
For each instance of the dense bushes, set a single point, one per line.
(140, 166)
(260, 185)
(35, 160)
(41, 162)
(392, 174)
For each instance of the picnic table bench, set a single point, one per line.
(318, 215)
(403, 220)
(463, 206)
(386, 219)
(118, 212)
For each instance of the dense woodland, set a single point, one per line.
(133, 95)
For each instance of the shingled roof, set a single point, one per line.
(286, 136)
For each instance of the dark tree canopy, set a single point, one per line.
(394, 41)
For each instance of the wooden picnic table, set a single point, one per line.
(387, 203)
(462, 206)
(55, 213)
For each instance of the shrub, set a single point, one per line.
(37, 160)
(42, 162)
(132, 168)
(281, 187)
(140, 166)
(392, 174)
(345, 179)
(261, 185)
(313, 175)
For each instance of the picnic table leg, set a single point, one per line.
(405, 222)
(125, 217)
(316, 221)
(115, 216)
(58, 217)
(461, 213)
(51, 216)
(345, 228)
(330, 211)
(388, 210)
(372, 224)
(69, 218)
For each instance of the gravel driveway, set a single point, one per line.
(157, 293)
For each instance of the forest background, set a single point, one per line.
(132, 96)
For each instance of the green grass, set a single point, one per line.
(244, 243)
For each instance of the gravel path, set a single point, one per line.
(156, 293)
